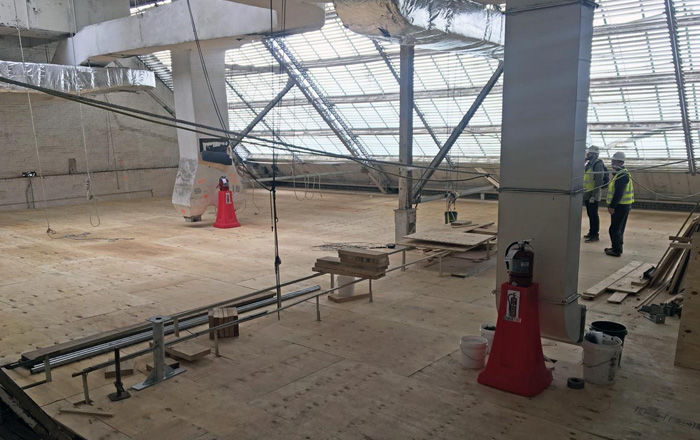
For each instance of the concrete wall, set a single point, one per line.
(127, 157)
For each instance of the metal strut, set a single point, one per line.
(418, 111)
(325, 108)
(437, 160)
(680, 82)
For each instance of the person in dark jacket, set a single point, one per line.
(620, 198)
(592, 187)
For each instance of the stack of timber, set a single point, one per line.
(672, 267)
(474, 241)
(222, 315)
(629, 280)
(355, 262)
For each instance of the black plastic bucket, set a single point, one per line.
(611, 329)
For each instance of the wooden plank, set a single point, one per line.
(188, 351)
(679, 238)
(688, 345)
(341, 299)
(427, 245)
(600, 287)
(450, 237)
(625, 284)
(334, 266)
(617, 297)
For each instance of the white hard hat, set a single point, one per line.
(593, 149)
(619, 156)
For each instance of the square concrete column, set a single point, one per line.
(545, 106)
(196, 180)
(405, 216)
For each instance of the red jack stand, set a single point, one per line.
(516, 363)
(225, 212)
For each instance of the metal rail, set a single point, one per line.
(84, 372)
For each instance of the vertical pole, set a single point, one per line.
(371, 299)
(405, 215)
(216, 344)
(406, 126)
(318, 309)
(332, 281)
(47, 368)
(403, 260)
(176, 327)
(158, 348)
(86, 390)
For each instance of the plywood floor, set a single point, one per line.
(373, 371)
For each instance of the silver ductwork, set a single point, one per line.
(71, 79)
(460, 25)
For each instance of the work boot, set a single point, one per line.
(591, 238)
(587, 236)
(612, 252)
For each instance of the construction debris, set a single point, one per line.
(673, 264)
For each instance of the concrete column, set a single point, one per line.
(405, 216)
(545, 104)
(195, 184)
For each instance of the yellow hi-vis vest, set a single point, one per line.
(588, 180)
(628, 195)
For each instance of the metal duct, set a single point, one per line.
(461, 25)
(71, 79)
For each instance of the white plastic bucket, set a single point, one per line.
(487, 332)
(473, 351)
(600, 361)
(346, 291)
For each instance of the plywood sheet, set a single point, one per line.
(450, 237)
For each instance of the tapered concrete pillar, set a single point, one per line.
(196, 181)
(545, 104)
(405, 216)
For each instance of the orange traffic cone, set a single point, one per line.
(225, 212)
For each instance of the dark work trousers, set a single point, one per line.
(618, 221)
(593, 219)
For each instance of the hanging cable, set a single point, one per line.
(89, 195)
(49, 231)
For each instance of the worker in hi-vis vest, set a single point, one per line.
(593, 182)
(620, 198)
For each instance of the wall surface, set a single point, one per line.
(126, 157)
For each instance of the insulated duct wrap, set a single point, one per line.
(72, 79)
(461, 25)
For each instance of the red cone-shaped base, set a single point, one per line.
(225, 213)
(516, 362)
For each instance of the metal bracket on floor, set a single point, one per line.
(161, 371)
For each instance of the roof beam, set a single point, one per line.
(622, 127)
(680, 81)
(597, 84)
(445, 149)
(325, 109)
(420, 114)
